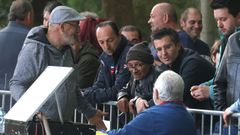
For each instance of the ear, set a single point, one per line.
(28, 20)
(62, 27)
(165, 18)
(155, 97)
(238, 19)
(182, 23)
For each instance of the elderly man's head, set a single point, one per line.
(139, 60)
(169, 86)
(64, 24)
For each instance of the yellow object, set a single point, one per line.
(100, 133)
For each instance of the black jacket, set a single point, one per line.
(194, 70)
(141, 88)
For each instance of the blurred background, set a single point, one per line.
(135, 12)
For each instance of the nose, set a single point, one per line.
(149, 20)
(164, 52)
(106, 46)
(219, 24)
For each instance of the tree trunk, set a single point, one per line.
(209, 26)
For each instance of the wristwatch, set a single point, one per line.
(135, 99)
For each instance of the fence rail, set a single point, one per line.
(118, 119)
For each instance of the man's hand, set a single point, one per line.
(97, 120)
(141, 104)
(131, 106)
(226, 116)
(200, 92)
(122, 104)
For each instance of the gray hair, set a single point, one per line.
(170, 86)
(19, 10)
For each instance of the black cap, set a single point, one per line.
(141, 52)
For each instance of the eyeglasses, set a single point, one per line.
(138, 66)
(75, 25)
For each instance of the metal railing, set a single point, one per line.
(118, 119)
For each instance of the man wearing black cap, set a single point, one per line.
(49, 47)
(139, 62)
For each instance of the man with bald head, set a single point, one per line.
(163, 15)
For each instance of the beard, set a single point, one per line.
(70, 39)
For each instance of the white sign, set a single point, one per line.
(38, 93)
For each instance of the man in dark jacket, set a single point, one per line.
(113, 73)
(139, 61)
(191, 66)
(188, 64)
(11, 40)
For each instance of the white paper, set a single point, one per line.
(38, 93)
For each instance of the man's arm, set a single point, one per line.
(101, 92)
(27, 70)
(194, 72)
(221, 84)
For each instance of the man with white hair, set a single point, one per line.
(167, 116)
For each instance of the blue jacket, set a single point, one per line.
(165, 119)
(195, 44)
(11, 41)
(112, 76)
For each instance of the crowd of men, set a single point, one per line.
(148, 79)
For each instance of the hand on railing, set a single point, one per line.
(97, 120)
(122, 104)
(227, 115)
(141, 105)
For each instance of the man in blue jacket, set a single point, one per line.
(113, 73)
(11, 40)
(169, 115)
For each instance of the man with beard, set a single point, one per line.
(49, 47)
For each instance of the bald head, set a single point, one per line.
(167, 8)
(163, 15)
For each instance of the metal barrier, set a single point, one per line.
(204, 113)
(6, 100)
(118, 119)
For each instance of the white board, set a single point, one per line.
(38, 93)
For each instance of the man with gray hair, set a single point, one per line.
(167, 116)
(50, 47)
(11, 40)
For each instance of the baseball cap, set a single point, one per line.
(63, 14)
